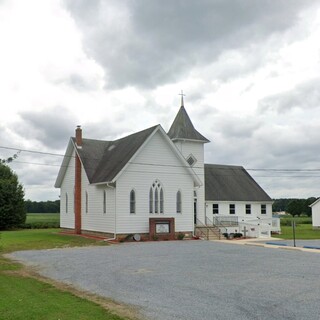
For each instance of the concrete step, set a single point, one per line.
(208, 233)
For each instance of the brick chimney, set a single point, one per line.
(79, 136)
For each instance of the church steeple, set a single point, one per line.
(182, 127)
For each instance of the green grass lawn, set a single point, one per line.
(23, 297)
(303, 231)
(41, 239)
(29, 299)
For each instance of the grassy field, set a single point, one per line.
(303, 231)
(303, 228)
(24, 297)
(42, 217)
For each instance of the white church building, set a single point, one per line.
(155, 185)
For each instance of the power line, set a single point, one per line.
(152, 164)
(33, 151)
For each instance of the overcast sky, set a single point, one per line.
(250, 70)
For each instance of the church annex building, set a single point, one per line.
(155, 185)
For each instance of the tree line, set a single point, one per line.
(295, 207)
(42, 206)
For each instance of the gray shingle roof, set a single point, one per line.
(103, 160)
(231, 183)
(182, 128)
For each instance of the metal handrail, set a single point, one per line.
(226, 221)
(213, 230)
(220, 226)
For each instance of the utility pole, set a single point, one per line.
(294, 231)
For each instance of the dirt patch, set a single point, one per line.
(120, 309)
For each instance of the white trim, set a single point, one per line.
(64, 165)
(173, 147)
(312, 204)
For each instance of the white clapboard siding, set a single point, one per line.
(95, 219)
(67, 187)
(240, 209)
(156, 161)
(316, 214)
(197, 150)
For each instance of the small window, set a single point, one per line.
(191, 160)
(179, 201)
(104, 201)
(248, 208)
(87, 202)
(66, 202)
(263, 209)
(215, 208)
(132, 201)
(232, 208)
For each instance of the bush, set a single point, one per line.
(39, 225)
(237, 235)
(181, 236)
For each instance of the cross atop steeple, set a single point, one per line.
(182, 95)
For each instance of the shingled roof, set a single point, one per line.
(103, 160)
(183, 129)
(231, 183)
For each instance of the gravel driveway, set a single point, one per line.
(192, 279)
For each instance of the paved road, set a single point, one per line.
(192, 279)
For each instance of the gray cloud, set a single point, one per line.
(265, 145)
(304, 96)
(148, 43)
(78, 82)
(49, 127)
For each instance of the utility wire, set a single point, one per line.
(153, 164)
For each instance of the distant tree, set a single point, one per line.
(280, 204)
(293, 206)
(12, 209)
(42, 206)
(299, 207)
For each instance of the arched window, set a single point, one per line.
(161, 200)
(132, 201)
(156, 198)
(104, 201)
(87, 202)
(66, 202)
(179, 201)
(151, 200)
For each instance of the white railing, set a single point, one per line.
(257, 227)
